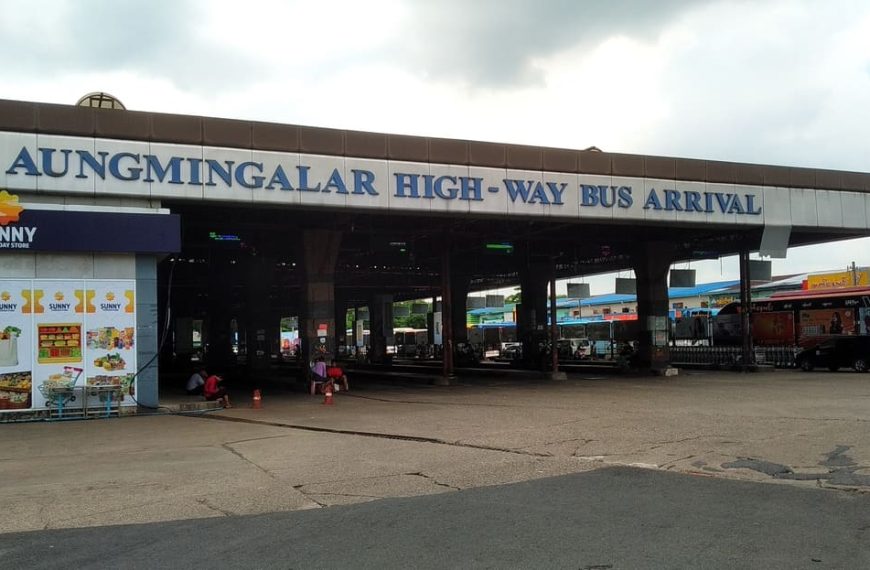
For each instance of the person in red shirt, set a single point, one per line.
(336, 374)
(213, 392)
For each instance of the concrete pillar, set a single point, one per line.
(447, 345)
(219, 356)
(319, 254)
(459, 283)
(746, 311)
(256, 323)
(651, 261)
(380, 328)
(147, 329)
(554, 328)
(341, 337)
(353, 332)
(532, 310)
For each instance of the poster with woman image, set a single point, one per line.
(864, 320)
(16, 361)
(825, 322)
(110, 338)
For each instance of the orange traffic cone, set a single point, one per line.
(327, 390)
(257, 401)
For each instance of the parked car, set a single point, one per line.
(573, 348)
(833, 354)
(512, 350)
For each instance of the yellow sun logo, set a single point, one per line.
(5, 296)
(58, 296)
(110, 296)
(9, 208)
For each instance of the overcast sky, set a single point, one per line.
(774, 82)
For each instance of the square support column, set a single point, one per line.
(532, 330)
(317, 326)
(256, 322)
(651, 261)
(554, 328)
(748, 354)
(380, 328)
(446, 321)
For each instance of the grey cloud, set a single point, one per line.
(487, 43)
(493, 42)
(157, 37)
(771, 100)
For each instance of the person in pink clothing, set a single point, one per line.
(318, 374)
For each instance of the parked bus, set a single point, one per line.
(410, 342)
(802, 319)
(605, 337)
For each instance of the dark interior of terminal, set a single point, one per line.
(247, 274)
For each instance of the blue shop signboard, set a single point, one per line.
(64, 230)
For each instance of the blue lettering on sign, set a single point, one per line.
(153, 166)
(279, 177)
(48, 163)
(443, 187)
(624, 199)
(179, 170)
(535, 191)
(605, 196)
(25, 161)
(255, 181)
(363, 182)
(691, 201)
(470, 188)
(335, 182)
(99, 167)
(132, 172)
(652, 201)
(303, 179)
(408, 183)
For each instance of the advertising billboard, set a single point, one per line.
(825, 322)
(65, 332)
(837, 280)
(776, 328)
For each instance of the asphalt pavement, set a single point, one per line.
(389, 441)
(610, 518)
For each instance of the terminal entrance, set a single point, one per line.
(256, 288)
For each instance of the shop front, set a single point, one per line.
(78, 305)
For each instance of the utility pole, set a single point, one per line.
(854, 275)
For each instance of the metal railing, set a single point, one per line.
(715, 356)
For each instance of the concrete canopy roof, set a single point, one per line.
(31, 117)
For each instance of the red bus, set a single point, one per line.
(799, 318)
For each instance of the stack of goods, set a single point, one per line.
(123, 381)
(110, 362)
(15, 390)
(110, 338)
(60, 343)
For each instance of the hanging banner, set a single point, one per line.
(110, 337)
(16, 330)
(58, 311)
(436, 326)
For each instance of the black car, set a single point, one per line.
(833, 354)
